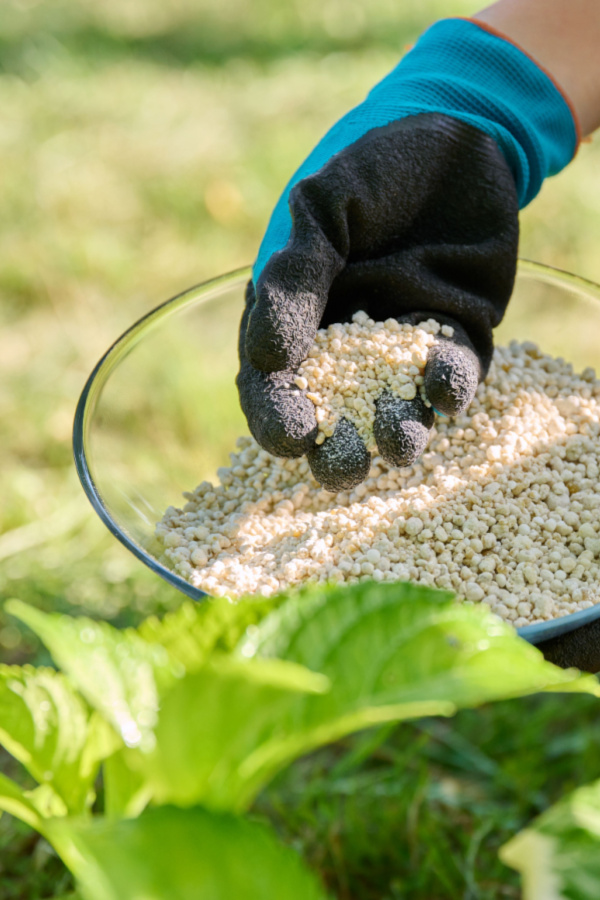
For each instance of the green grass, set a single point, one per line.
(419, 811)
(142, 146)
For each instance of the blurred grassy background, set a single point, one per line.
(142, 146)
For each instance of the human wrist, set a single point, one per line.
(562, 37)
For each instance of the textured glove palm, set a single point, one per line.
(417, 218)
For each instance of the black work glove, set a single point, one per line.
(417, 219)
(579, 649)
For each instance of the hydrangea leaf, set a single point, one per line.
(196, 630)
(230, 709)
(182, 854)
(389, 651)
(558, 855)
(118, 673)
(210, 719)
(47, 726)
(15, 801)
(126, 788)
(324, 663)
(403, 643)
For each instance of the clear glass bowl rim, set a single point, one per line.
(127, 341)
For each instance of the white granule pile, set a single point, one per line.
(349, 366)
(502, 508)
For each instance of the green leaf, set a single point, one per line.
(118, 673)
(47, 801)
(222, 712)
(15, 801)
(402, 643)
(348, 659)
(391, 652)
(126, 788)
(48, 727)
(195, 631)
(213, 720)
(181, 855)
(558, 855)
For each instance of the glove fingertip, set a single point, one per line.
(401, 429)
(342, 461)
(451, 377)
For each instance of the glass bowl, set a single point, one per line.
(159, 413)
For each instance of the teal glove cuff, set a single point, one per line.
(464, 70)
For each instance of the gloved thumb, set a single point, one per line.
(293, 287)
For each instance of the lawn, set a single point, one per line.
(142, 146)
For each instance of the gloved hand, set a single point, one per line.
(418, 217)
(579, 649)
(408, 207)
